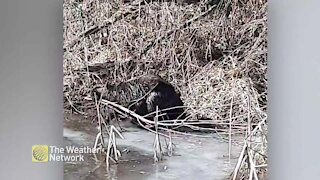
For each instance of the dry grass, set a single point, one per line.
(214, 55)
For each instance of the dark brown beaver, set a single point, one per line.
(161, 94)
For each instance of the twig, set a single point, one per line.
(157, 155)
(240, 160)
(230, 129)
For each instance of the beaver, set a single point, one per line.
(162, 95)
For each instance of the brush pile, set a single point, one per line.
(214, 53)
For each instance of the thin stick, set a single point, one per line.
(240, 160)
(230, 129)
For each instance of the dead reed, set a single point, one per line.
(213, 52)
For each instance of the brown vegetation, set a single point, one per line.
(213, 52)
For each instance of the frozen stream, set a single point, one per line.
(193, 157)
